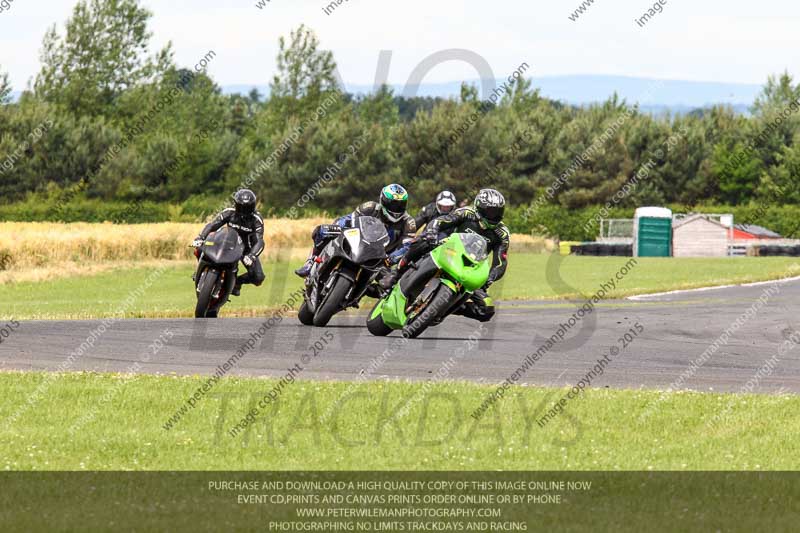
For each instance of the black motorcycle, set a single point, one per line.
(344, 270)
(217, 269)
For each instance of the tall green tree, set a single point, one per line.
(5, 88)
(305, 72)
(104, 51)
(304, 99)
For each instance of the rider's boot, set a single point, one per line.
(388, 281)
(237, 287)
(305, 270)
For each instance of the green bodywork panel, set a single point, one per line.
(450, 256)
(450, 284)
(393, 309)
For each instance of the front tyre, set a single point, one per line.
(330, 305)
(208, 280)
(439, 303)
(376, 325)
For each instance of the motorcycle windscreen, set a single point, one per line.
(474, 246)
(464, 257)
(373, 230)
(369, 244)
(224, 247)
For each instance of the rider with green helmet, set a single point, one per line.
(391, 209)
(485, 218)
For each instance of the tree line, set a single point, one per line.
(109, 119)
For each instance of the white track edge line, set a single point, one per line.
(717, 287)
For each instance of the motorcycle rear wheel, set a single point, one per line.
(305, 315)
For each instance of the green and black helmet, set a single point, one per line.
(490, 206)
(394, 201)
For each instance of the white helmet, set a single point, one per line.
(445, 202)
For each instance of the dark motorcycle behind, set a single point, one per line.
(218, 265)
(344, 270)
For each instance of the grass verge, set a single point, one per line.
(87, 421)
(172, 295)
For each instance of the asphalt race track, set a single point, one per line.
(678, 328)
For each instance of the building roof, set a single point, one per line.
(653, 212)
(758, 231)
(692, 218)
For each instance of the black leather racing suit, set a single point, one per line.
(466, 220)
(251, 229)
(401, 233)
(426, 214)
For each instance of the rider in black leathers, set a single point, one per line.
(249, 224)
(483, 218)
(390, 209)
(444, 204)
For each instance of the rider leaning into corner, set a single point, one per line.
(249, 224)
(484, 218)
(389, 209)
(444, 204)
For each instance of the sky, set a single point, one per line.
(701, 40)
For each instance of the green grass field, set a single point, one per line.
(171, 294)
(120, 426)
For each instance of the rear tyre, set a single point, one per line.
(305, 315)
(208, 281)
(330, 305)
(376, 325)
(438, 304)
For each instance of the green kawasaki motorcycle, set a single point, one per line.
(436, 286)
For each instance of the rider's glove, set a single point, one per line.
(248, 260)
(198, 242)
(431, 235)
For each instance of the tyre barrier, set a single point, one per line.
(776, 250)
(602, 249)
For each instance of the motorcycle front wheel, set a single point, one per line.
(332, 301)
(439, 303)
(208, 280)
(376, 325)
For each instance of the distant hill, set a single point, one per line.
(675, 96)
(671, 96)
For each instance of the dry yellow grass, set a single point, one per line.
(34, 244)
(38, 251)
(531, 244)
(72, 269)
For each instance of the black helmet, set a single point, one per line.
(245, 202)
(490, 206)
(445, 202)
(394, 200)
